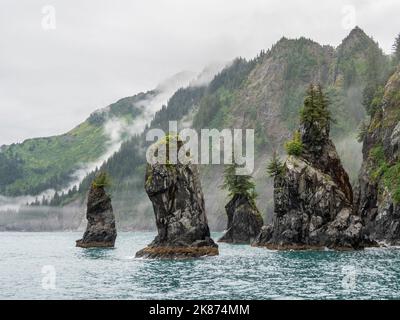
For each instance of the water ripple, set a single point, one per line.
(239, 272)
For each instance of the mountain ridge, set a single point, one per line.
(265, 94)
(38, 164)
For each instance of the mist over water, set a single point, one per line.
(239, 272)
(350, 154)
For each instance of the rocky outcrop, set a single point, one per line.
(178, 204)
(313, 197)
(320, 152)
(378, 191)
(244, 220)
(100, 230)
(311, 212)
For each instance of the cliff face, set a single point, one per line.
(178, 204)
(313, 196)
(378, 194)
(244, 220)
(100, 230)
(311, 211)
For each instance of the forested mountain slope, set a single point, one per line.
(264, 94)
(35, 165)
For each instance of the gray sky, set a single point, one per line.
(103, 50)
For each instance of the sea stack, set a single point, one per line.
(244, 221)
(178, 203)
(312, 193)
(100, 230)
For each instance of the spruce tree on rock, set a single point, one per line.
(238, 184)
(244, 219)
(275, 165)
(315, 120)
(313, 198)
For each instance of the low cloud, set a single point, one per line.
(50, 80)
(118, 130)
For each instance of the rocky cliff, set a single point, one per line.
(378, 194)
(244, 220)
(312, 194)
(100, 230)
(178, 202)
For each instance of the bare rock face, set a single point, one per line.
(100, 230)
(378, 192)
(178, 203)
(313, 199)
(244, 220)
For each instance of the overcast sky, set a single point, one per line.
(103, 50)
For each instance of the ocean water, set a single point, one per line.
(49, 266)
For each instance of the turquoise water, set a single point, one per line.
(239, 272)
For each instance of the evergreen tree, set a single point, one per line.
(102, 180)
(372, 98)
(315, 107)
(56, 200)
(315, 117)
(350, 75)
(275, 165)
(44, 201)
(295, 146)
(238, 184)
(396, 50)
(373, 71)
(376, 73)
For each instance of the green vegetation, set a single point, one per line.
(172, 142)
(315, 109)
(396, 50)
(214, 107)
(391, 179)
(238, 184)
(294, 147)
(264, 94)
(275, 166)
(390, 174)
(301, 58)
(102, 180)
(377, 73)
(315, 116)
(49, 163)
(377, 156)
(123, 109)
(178, 105)
(127, 167)
(372, 98)
(362, 131)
